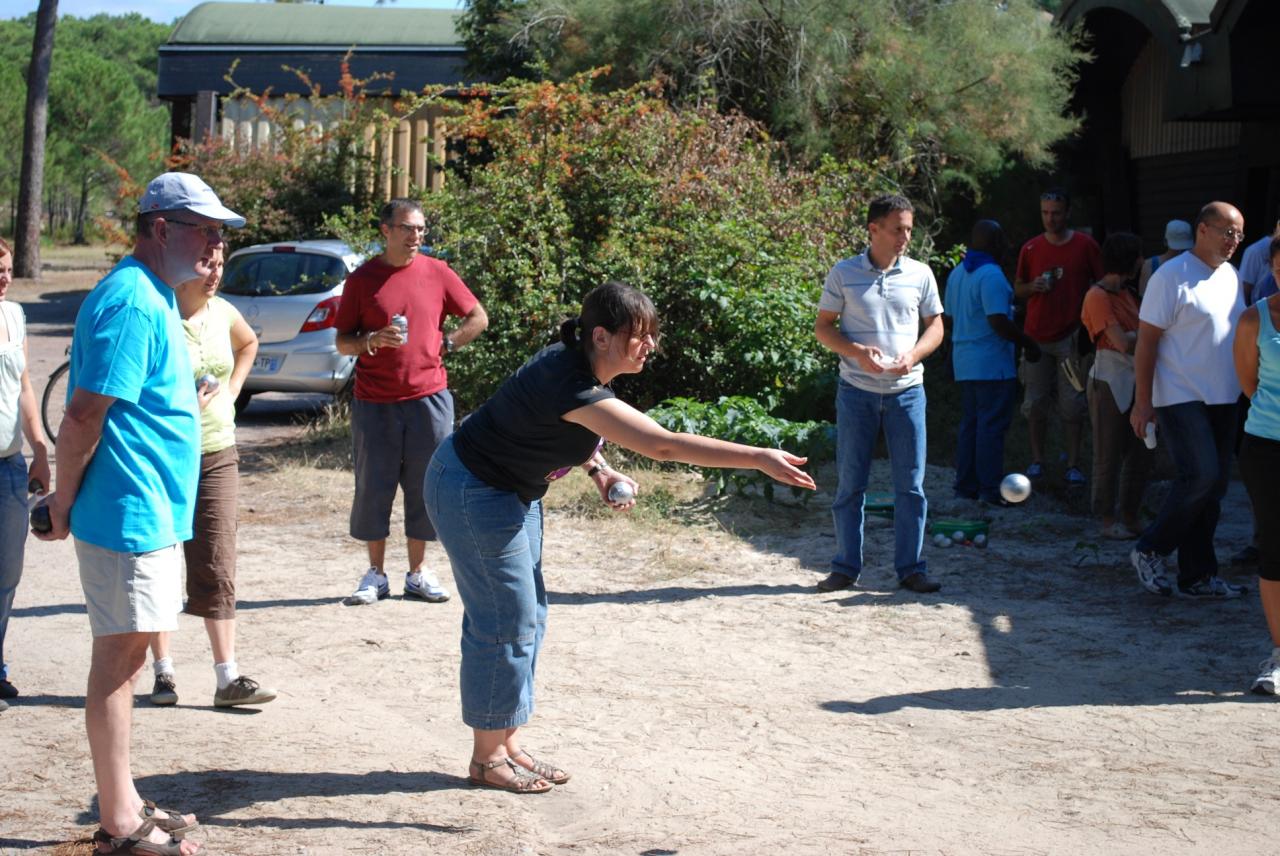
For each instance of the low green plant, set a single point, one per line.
(743, 420)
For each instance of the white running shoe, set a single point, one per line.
(1151, 575)
(1211, 588)
(1268, 675)
(372, 588)
(424, 585)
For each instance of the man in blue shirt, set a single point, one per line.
(979, 301)
(881, 313)
(128, 453)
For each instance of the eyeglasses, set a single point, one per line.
(212, 234)
(409, 227)
(654, 339)
(1230, 234)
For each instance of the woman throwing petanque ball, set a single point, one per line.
(484, 488)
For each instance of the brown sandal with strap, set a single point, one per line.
(522, 781)
(136, 842)
(544, 769)
(174, 824)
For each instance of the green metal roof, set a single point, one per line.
(282, 24)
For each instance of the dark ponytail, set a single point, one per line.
(569, 332)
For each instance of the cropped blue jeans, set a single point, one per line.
(859, 417)
(494, 543)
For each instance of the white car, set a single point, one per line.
(288, 293)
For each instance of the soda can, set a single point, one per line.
(401, 323)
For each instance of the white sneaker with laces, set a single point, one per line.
(1268, 675)
(1211, 588)
(424, 585)
(1151, 574)
(372, 588)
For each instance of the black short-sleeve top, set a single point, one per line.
(516, 440)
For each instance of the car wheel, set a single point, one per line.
(242, 401)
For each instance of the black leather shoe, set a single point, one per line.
(835, 581)
(920, 584)
(7, 690)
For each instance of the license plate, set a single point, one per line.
(266, 364)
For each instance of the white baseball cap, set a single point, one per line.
(182, 191)
(1178, 235)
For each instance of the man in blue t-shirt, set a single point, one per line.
(128, 455)
(979, 301)
(880, 312)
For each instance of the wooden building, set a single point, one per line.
(260, 45)
(1182, 106)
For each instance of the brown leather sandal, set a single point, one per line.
(135, 842)
(544, 769)
(522, 782)
(173, 824)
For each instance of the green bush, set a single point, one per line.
(742, 420)
(566, 188)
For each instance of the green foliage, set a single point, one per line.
(571, 188)
(742, 420)
(948, 92)
(104, 118)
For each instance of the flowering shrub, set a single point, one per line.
(562, 188)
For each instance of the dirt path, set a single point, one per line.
(707, 700)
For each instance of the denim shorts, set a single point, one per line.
(494, 543)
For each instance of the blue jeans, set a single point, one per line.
(859, 418)
(987, 412)
(13, 538)
(1200, 438)
(494, 543)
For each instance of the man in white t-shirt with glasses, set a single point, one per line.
(1186, 383)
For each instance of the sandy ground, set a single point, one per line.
(705, 697)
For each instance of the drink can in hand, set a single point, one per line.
(1150, 437)
(401, 323)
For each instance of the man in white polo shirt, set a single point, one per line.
(1186, 383)
(881, 313)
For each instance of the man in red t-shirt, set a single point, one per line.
(1054, 272)
(402, 408)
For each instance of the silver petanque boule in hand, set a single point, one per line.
(207, 380)
(621, 492)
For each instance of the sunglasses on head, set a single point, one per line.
(1053, 196)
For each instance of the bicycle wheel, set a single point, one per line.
(54, 400)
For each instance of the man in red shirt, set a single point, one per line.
(1054, 272)
(402, 408)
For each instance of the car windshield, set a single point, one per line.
(271, 274)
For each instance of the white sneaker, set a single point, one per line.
(424, 585)
(372, 588)
(1151, 575)
(1211, 588)
(1268, 675)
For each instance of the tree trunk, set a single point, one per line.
(31, 182)
(82, 209)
